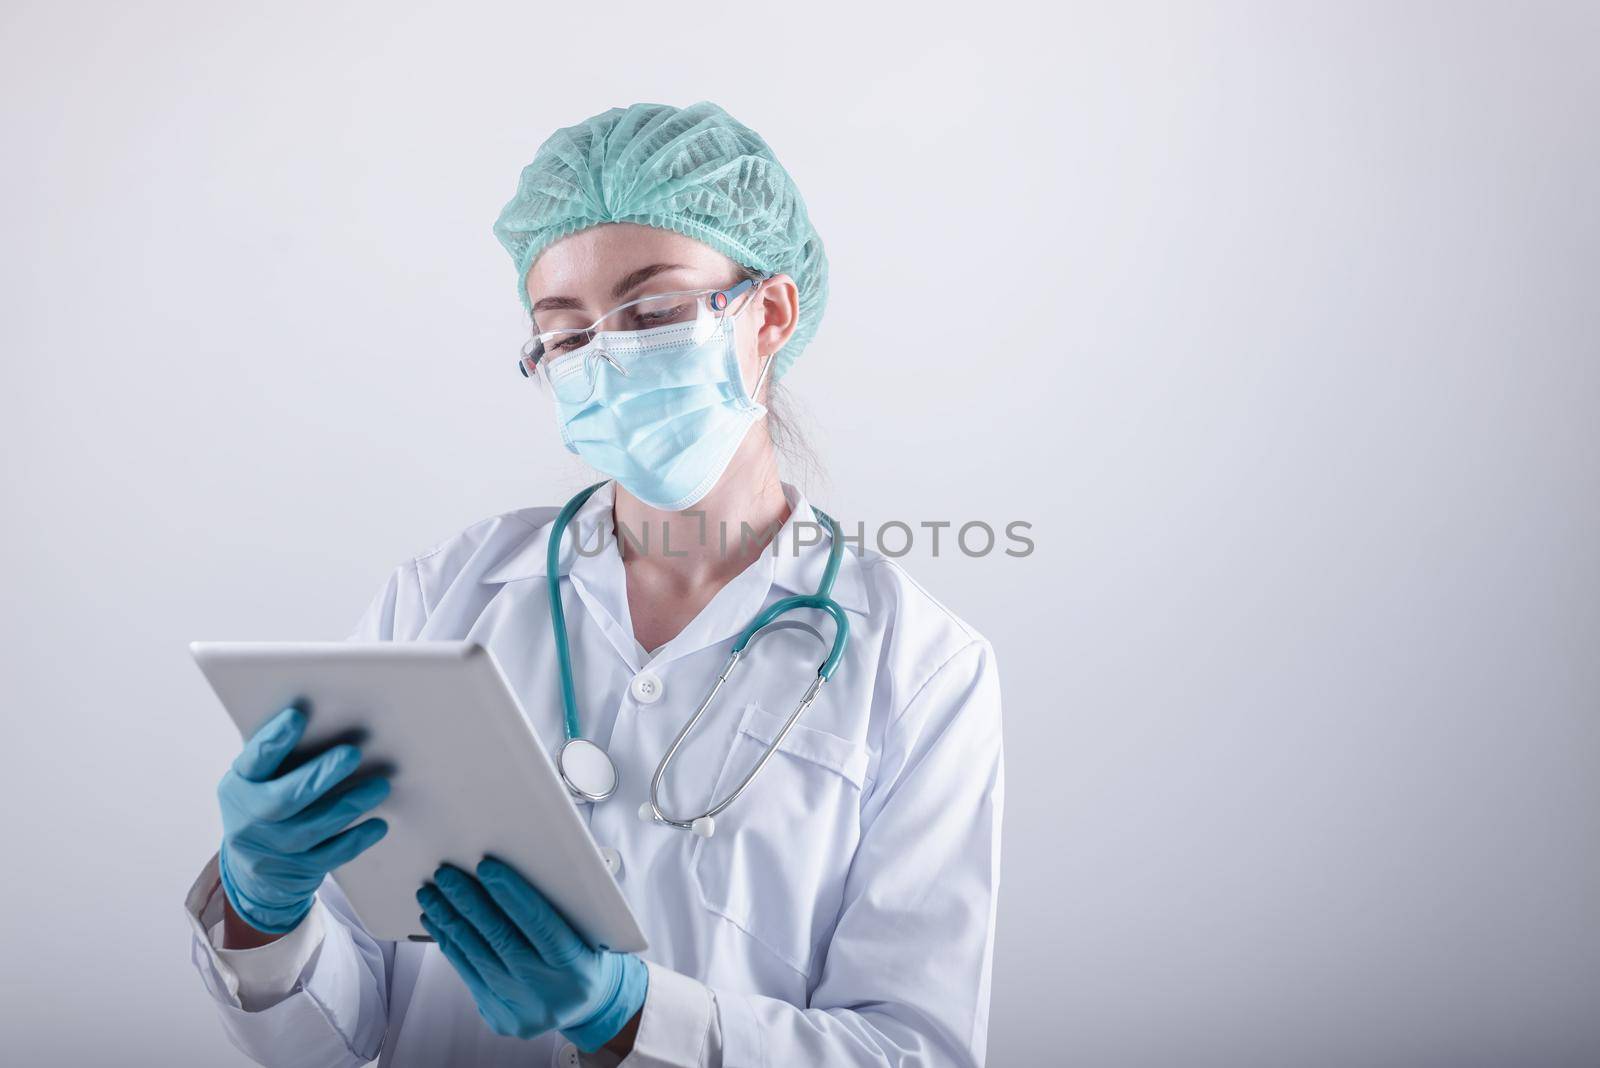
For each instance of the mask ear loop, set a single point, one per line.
(755, 391)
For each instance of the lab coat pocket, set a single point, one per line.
(775, 867)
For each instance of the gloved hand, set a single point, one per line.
(526, 968)
(281, 836)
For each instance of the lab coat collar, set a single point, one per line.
(796, 570)
(589, 525)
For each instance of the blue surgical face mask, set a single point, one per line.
(667, 413)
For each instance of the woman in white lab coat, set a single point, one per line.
(843, 912)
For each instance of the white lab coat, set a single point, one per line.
(843, 913)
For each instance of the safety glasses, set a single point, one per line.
(567, 361)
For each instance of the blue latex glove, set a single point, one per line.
(281, 836)
(527, 969)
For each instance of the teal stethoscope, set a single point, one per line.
(585, 767)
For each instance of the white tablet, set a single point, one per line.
(469, 775)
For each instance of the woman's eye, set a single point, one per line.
(655, 316)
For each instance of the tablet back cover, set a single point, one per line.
(470, 777)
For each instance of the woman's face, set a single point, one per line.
(584, 275)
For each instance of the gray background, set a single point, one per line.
(1278, 322)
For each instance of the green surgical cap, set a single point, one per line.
(696, 170)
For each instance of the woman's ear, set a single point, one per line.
(777, 314)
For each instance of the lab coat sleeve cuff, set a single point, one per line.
(332, 1016)
(677, 1024)
(249, 979)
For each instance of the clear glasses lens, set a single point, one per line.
(569, 357)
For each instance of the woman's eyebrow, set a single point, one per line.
(638, 278)
(632, 281)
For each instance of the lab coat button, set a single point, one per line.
(613, 861)
(646, 687)
(567, 1056)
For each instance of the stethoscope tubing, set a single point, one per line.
(704, 823)
(558, 614)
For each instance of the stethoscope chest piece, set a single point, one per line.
(586, 770)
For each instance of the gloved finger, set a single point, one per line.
(325, 817)
(544, 928)
(291, 792)
(448, 918)
(271, 742)
(495, 1012)
(345, 846)
(473, 902)
(453, 953)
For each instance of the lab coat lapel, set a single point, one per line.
(590, 563)
(602, 585)
(598, 577)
